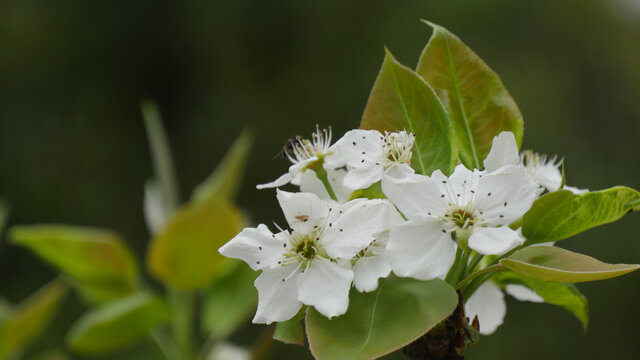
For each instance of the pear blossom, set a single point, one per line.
(368, 155)
(471, 206)
(544, 171)
(307, 265)
(304, 154)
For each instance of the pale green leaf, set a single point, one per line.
(290, 331)
(561, 214)
(478, 104)
(95, 258)
(402, 100)
(555, 264)
(224, 182)
(24, 322)
(377, 323)
(565, 295)
(229, 302)
(184, 254)
(118, 324)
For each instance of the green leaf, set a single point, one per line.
(290, 331)
(94, 258)
(402, 100)
(185, 253)
(377, 323)
(224, 182)
(372, 192)
(478, 104)
(161, 155)
(555, 264)
(229, 301)
(24, 322)
(117, 324)
(561, 214)
(565, 295)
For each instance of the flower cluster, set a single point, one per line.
(341, 237)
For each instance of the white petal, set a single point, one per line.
(368, 270)
(155, 209)
(257, 247)
(420, 249)
(362, 177)
(505, 195)
(350, 148)
(399, 171)
(228, 351)
(281, 181)
(504, 151)
(358, 226)
(303, 211)
(547, 175)
(523, 293)
(325, 285)
(309, 182)
(415, 196)
(277, 299)
(494, 240)
(488, 304)
(576, 190)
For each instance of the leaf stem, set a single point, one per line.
(473, 276)
(321, 173)
(183, 309)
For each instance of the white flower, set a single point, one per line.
(475, 205)
(303, 153)
(228, 351)
(370, 264)
(302, 267)
(368, 155)
(544, 171)
(487, 302)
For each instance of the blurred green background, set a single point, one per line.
(73, 148)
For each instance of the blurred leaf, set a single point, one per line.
(55, 354)
(555, 264)
(402, 100)
(478, 104)
(94, 258)
(224, 182)
(561, 214)
(377, 323)
(185, 253)
(24, 322)
(565, 295)
(161, 155)
(117, 324)
(290, 331)
(229, 301)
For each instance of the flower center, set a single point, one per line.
(461, 217)
(303, 249)
(397, 147)
(300, 149)
(307, 249)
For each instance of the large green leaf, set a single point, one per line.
(23, 323)
(402, 100)
(377, 323)
(565, 295)
(478, 104)
(185, 253)
(555, 264)
(117, 324)
(229, 301)
(561, 214)
(94, 258)
(224, 182)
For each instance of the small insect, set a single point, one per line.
(303, 218)
(288, 146)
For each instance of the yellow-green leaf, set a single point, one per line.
(24, 322)
(377, 323)
(402, 100)
(185, 253)
(94, 257)
(225, 180)
(478, 104)
(561, 214)
(118, 324)
(555, 264)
